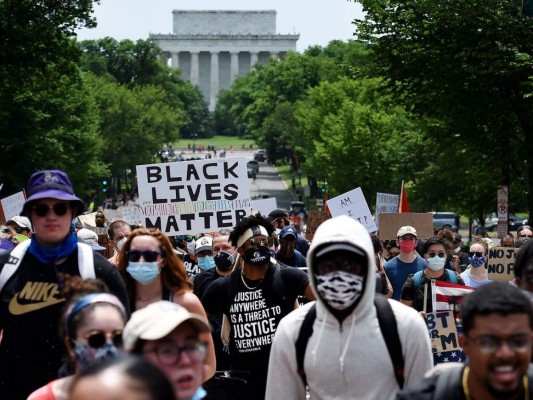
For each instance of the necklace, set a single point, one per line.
(244, 283)
(467, 392)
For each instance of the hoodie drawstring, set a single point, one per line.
(345, 350)
(313, 353)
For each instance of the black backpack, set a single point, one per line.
(389, 330)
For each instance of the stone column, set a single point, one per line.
(195, 68)
(253, 59)
(175, 60)
(234, 66)
(213, 91)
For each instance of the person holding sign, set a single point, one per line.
(476, 274)
(406, 263)
(253, 300)
(152, 272)
(497, 331)
(417, 290)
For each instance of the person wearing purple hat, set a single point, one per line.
(30, 284)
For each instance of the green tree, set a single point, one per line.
(469, 66)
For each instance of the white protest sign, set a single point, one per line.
(264, 206)
(12, 205)
(194, 196)
(131, 214)
(353, 204)
(386, 203)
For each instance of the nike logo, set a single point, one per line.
(43, 294)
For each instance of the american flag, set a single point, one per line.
(448, 297)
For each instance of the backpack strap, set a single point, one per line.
(449, 383)
(85, 262)
(306, 330)
(417, 277)
(15, 258)
(389, 330)
(451, 276)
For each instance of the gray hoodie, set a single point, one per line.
(347, 360)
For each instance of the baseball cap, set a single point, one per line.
(157, 320)
(406, 230)
(258, 230)
(288, 231)
(204, 243)
(278, 213)
(22, 222)
(53, 184)
(89, 237)
(6, 245)
(339, 246)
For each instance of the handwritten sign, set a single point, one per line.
(194, 196)
(314, 219)
(501, 263)
(12, 205)
(354, 205)
(264, 206)
(390, 223)
(386, 203)
(442, 332)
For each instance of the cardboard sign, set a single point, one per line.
(354, 205)
(314, 219)
(98, 230)
(264, 206)
(194, 196)
(103, 240)
(442, 332)
(501, 263)
(12, 205)
(390, 223)
(386, 203)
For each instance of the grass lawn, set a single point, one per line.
(220, 142)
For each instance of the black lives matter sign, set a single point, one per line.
(194, 196)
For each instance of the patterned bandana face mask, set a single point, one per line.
(87, 356)
(340, 289)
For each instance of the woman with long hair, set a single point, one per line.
(152, 271)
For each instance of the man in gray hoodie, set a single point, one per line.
(346, 356)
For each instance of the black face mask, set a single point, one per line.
(224, 260)
(257, 256)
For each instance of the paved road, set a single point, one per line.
(269, 184)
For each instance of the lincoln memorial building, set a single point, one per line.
(213, 47)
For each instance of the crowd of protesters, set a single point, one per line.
(253, 312)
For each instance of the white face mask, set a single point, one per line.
(436, 263)
(190, 247)
(457, 250)
(121, 243)
(340, 289)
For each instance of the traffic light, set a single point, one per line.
(104, 185)
(527, 7)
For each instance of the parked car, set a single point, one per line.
(253, 168)
(514, 222)
(260, 155)
(446, 220)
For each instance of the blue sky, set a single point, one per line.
(317, 21)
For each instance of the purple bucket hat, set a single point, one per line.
(6, 245)
(51, 184)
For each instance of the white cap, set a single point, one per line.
(157, 320)
(21, 221)
(249, 233)
(204, 243)
(406, 230)
(89, 237)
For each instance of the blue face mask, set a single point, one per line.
(143, 272)
(206, 263)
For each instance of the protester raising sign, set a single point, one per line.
(354, 205)
(500, 266)
(194, 196)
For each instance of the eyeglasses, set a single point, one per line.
(42, 209)
(327, 266)
(148, 255)
(528, 236)
(191, 238)
(490, 344)
(476, 253)
(169, 354)
(97, 338)
(255, 243)
(433, 254)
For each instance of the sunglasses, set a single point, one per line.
(475, 253)
(528, 236)
(260, 242)
(20, 230)
(149, 255)
(191, 238)
(97, 338)
(433, 254)
(60, 209)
